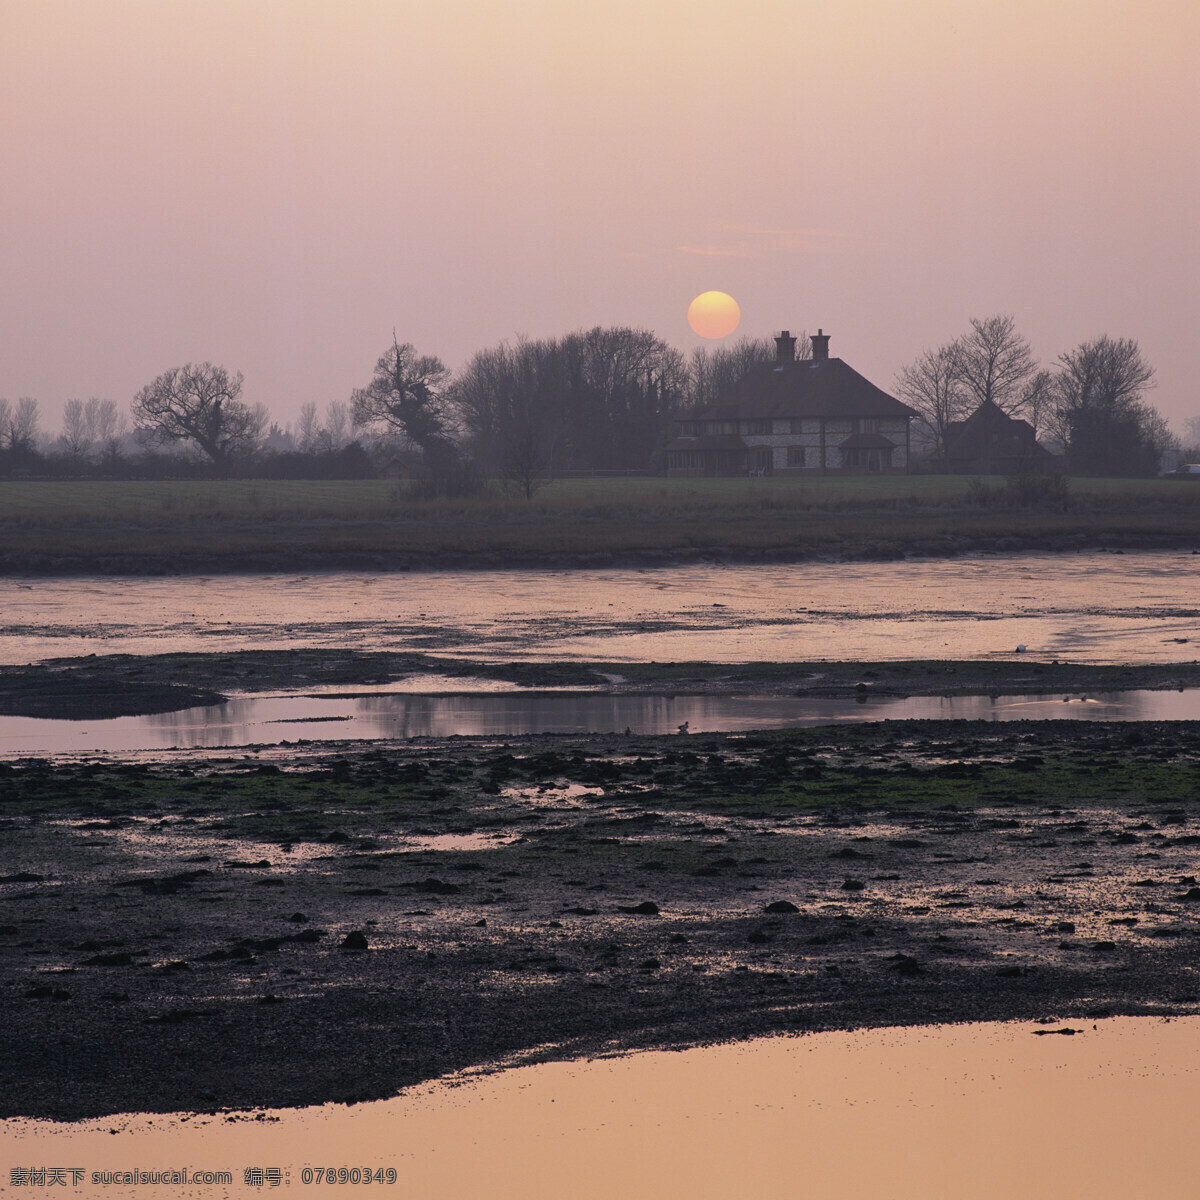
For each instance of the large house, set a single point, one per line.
(808, 417)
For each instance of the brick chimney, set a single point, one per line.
(785, 349)
(820, 341)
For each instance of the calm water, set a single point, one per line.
(1097, 608)
(982, 1112)
(250, 721)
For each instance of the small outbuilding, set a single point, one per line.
(990, 442)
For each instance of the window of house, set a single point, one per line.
(795, 456)
(756, 426)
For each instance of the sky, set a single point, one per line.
(277, 185)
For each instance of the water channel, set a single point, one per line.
(279, 719)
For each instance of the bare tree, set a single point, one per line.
(995, 362)
(76, 440)
(602, 400)
(106, 426)
(934, 387)
(309, 431)
(1099, 413)
(1191, 437)
(713, 372)
(407, 393)
(337, 424)
(1037, 399)
(199, 404)
(94, 427)
(507, 398)
(18, 425)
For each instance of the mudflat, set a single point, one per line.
(331, 922)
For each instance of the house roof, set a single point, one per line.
(992, 417)
(820, 388)
(866, 441)
(988, 430)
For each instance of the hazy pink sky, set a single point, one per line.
(276, 185)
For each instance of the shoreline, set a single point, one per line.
(269, 558)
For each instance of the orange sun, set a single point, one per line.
(714, 314)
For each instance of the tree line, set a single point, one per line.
(1090, 406)
(603, 400)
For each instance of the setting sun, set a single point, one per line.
(714, 314)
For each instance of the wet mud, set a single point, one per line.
(301, 924)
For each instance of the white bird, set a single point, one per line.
(1021, 648)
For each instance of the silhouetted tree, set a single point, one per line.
(714, 371)
(199, 404)
(407, 393)
(1098, 411)
(18, 426)
(933, 386)
(995, 363)
(594, 401)
(507, 401)
(1037, 400)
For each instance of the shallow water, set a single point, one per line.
(274, 720)
(1094, 608)
(973, 1112)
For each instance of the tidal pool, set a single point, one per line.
(1081, 1108)
(273, 720)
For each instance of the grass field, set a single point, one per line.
(276, 524)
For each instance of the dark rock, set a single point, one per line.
(781, 906)
(307, 936)
(435, 887)
(356, 940)
(853, 885)
(43, 991)
(647, 908)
